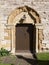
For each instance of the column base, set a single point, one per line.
(13, 51)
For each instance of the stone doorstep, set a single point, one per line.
(27, 55)
(24, 54)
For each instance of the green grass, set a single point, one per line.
(4, 64)
(43, 56)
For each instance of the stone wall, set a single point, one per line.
(7, 6)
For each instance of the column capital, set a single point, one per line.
(39, 26)
(9, 26)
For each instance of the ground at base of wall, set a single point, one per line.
(42, 59)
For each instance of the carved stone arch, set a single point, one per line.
(33, 15)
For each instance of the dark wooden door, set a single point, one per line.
(24, 37)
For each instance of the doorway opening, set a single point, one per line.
(25, 38)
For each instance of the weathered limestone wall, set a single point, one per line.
(7, 6)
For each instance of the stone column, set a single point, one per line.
(36, 39)
(7, 37)
(12, 28)
(13, 40)
(40, 34)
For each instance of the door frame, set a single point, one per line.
(12, 29)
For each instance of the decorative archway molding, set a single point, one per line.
(19, 10)
(25, 12)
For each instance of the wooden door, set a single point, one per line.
(24, 37)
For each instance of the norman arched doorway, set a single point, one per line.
(27, 20)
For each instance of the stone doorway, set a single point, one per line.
(25, 38)
(25, 15)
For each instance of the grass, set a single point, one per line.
(4, 64)
(43, 56)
